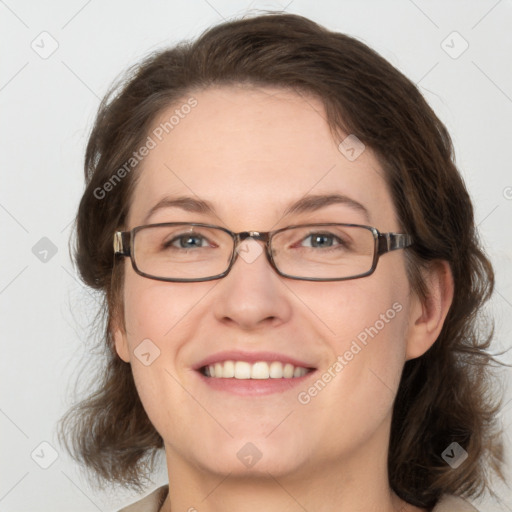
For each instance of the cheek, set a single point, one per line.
(372, 339)
(159, 310)
(160, 317)
(361, 308)
(365, 324)
(157, 318)
(145, 316)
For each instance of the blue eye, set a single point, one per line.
(186, 241)
(320, 240)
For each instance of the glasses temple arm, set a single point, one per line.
(393, 241)
(122, 243)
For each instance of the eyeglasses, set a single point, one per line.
(189, 252)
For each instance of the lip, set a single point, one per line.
(253, 387)
(251, 357)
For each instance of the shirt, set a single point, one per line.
(153, 502)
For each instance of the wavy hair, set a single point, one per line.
(447, 394)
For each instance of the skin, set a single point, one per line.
(251, 152)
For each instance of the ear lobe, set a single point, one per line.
(427, 316)
(121, 344)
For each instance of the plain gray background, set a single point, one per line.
(48, 101)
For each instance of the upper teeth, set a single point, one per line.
(258, 370)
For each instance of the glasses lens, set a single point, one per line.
(324, 252)
(182, 251)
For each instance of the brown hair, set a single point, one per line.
(444, 395)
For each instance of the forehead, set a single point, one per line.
(251, 152)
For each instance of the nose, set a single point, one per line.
(252, 294)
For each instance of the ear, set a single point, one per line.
(427, 316)
(121, 341)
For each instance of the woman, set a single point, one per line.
(292, 278)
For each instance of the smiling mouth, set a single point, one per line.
(259, 370)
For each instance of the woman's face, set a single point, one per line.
(251, 153)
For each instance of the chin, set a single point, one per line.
(252, 456)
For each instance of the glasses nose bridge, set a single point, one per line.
(263, 236)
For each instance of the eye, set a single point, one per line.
(321, 240)
(186, 241)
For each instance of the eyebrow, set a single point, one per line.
(309, 203)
